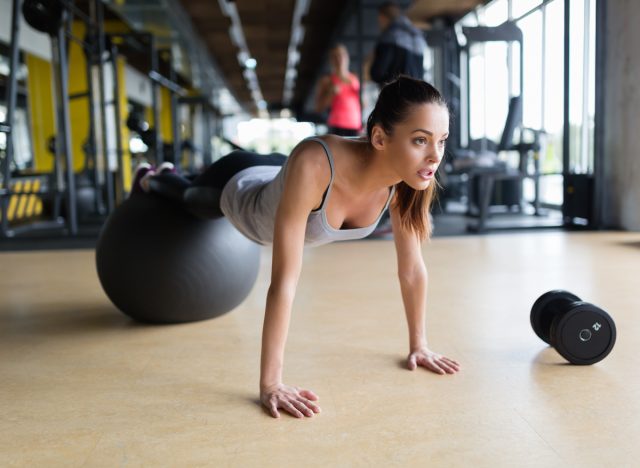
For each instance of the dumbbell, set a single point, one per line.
(581, 332)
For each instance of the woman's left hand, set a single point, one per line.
(432, 361)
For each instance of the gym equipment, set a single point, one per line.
(160, 61)
(473, 173)
(581, 332)
(25, 204)
(19, 199)
(43, 15)
(207, 122)
(54, 18)
(160, 264)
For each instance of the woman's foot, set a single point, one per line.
(141, 178)
(166, 168)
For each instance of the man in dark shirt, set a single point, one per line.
(400, 47)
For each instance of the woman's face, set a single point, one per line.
(339, 58)
(416, 146)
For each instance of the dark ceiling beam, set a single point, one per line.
(267, 29)
(427, 10)
(213, 27)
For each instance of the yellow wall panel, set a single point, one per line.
(126, 155)
(78, 107)
(41, 110)
(165, 115)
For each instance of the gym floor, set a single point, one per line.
(82, 385)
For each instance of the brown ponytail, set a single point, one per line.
(394, 104)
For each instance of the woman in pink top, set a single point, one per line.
(341, 92)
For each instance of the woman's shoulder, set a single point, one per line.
(314, 152)
(337, 147)
(309, 160)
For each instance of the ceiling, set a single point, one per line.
(232, 31)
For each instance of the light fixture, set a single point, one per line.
(245, 60)
(293, 55)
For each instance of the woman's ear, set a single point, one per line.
(378, 137)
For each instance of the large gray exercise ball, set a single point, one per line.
(160, 264)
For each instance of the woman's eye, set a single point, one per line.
(442, 142)
(421, 141)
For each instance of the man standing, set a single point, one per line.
(400, 47)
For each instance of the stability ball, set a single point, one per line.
(160, 264)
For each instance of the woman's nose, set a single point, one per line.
(434, 155)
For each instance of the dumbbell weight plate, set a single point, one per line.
(542, 315)
(43, 15)
(584, 335)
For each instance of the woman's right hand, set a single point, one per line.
(295, 401)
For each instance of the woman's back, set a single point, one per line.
(250, 200)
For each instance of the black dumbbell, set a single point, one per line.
(581, 332)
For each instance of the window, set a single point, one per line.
(531, 27)
(582, 86)
(495, 13)
(488, 90)
(520, 7)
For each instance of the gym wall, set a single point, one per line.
(621, 159)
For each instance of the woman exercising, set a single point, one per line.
(340, 93)
(331, 189)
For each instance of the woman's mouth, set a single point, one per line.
(426, 174)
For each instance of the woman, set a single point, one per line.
(340, 92)
(332, 188)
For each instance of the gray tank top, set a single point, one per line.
(251, 197)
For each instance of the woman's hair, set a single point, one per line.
(395, 101)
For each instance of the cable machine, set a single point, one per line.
(55, 17)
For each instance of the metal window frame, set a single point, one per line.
(600, 103)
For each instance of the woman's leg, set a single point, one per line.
(169, 185)
(201, 196)
(221, 171)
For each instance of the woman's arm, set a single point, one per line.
(412, 274)
(303, 189)
(354, 83)
(325, 94)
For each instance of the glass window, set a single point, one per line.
(514, 66)
(520, 7)
(553, 115)
(532, 94)
(496, 89)
(3, 136)
(489, 97)
(576, 87)
(591, 97)
(582, 85)
(470, 19)
(477, 102)
(495, 13)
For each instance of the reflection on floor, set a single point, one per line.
(84, 385)
(453, 222)
(458, 224)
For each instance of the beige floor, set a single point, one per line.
(81, 385)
